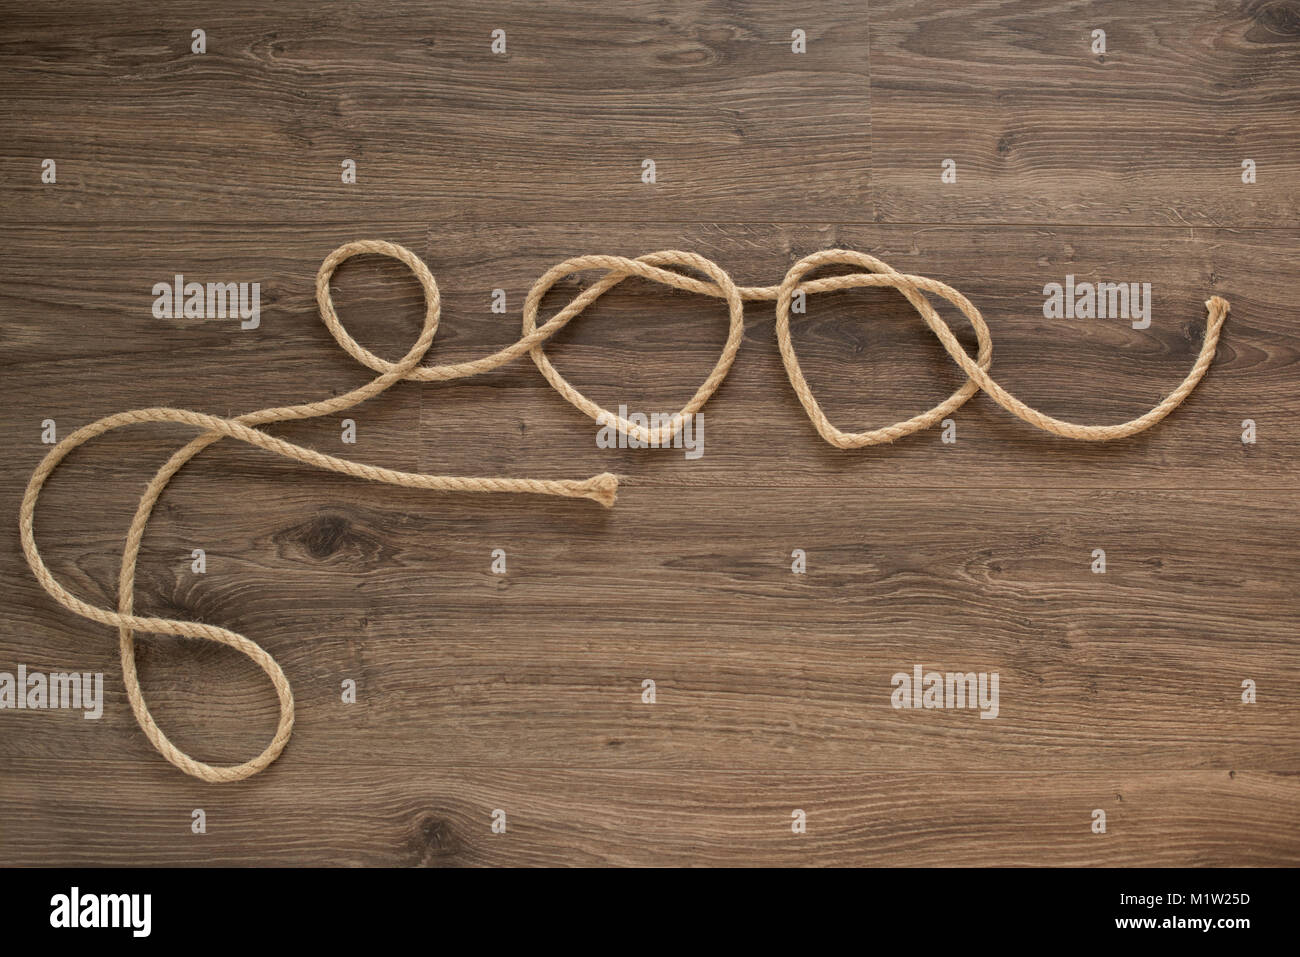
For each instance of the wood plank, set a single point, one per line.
(1042, 130)
(255, 129)
(584, 817)
(756, 667)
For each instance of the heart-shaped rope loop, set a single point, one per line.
(645, 267)
(877, 274)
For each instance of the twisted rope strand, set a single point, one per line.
(601, 488)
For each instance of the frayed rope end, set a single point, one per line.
(602, 488)
(1217, 304)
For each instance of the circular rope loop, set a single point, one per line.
(331, 317)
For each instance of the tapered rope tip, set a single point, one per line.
(602, 488)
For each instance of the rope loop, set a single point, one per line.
(645, 267)
(877, 274)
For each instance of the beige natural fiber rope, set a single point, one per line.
(601, 488)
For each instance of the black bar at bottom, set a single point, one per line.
(919, 909)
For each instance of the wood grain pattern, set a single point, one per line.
(522, 692)
(601, 817)
(440, 128)
(1043, 130)
(756, 667)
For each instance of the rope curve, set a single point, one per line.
(601, 488)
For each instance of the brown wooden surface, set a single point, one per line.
(522, 692)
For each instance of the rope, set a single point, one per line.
(600, 488)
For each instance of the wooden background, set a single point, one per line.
(522, 692)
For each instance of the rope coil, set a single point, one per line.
(601, 488)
